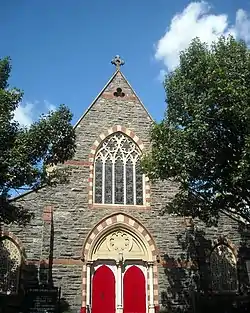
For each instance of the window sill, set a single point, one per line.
(118, 206)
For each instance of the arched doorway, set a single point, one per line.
(103, 290)
(134, 291)
(126, 250)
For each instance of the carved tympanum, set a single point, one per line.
(119, 241)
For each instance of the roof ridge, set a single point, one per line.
(96, 98)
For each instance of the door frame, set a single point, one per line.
(113, 266)
(144, 269)
(94, 268)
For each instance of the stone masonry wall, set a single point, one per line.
(73, 219)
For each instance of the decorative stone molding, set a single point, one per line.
(111, 222)
(222, 261)
(119, 241)
(94, 148)
(223, 240)
(15, 239)
(10, 264)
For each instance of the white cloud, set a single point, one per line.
(197, 21)
(26, 113)
(49, 106)
(242, 25)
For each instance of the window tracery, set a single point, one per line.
(118, 178)
(223, 269)
(10, 261)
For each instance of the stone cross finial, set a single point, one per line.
(117, 61)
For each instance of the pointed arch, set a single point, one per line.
(134, 290)
(109, 225)
(223, 268)
(103, 290)
(15, 239)
(111, 222)
(110, 131)
(94, 149)
(10, 263)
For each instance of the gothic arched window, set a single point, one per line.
(223, 269)
(10, 261)
(118, 177)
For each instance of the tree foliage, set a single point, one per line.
(203, 142)
(27, 153)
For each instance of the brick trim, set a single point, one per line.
(17, 242)
(103, 226)
(61, 261)
(94, 148)
(222, 240)
(15, 239)
(156, 285)
(182, 263)
(116, 219)
(48, 214)
(84, 285)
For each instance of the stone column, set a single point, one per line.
(88, 284)
(119, 287)
(151, 287)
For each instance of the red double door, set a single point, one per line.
(104, 291)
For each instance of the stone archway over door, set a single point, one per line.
(127, 249)
(103, 290)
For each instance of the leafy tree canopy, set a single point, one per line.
(203, 142)
(27, 153)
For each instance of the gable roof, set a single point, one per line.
(88, 109)
(104, 88)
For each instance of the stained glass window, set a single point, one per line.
(98, 180)
(223, 269)
(139, 184)
(118, 179)
(130, 182)
(10, 261)
(108, 181)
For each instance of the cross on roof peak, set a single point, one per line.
(118, 62)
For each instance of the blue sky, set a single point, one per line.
(61, 50)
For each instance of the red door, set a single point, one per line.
(103, 291)
(134, 292)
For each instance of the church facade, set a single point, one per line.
(102, 238)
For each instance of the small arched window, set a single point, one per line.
(223, 269)
(118, 177)
(10, 261)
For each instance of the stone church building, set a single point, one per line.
(101, 238)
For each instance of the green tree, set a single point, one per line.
(27, 153)
(203, 142)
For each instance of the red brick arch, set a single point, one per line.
(15, 239)
(94, 148)
(116, 219)
(17, 242)
(104, 226)
(222, 240)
